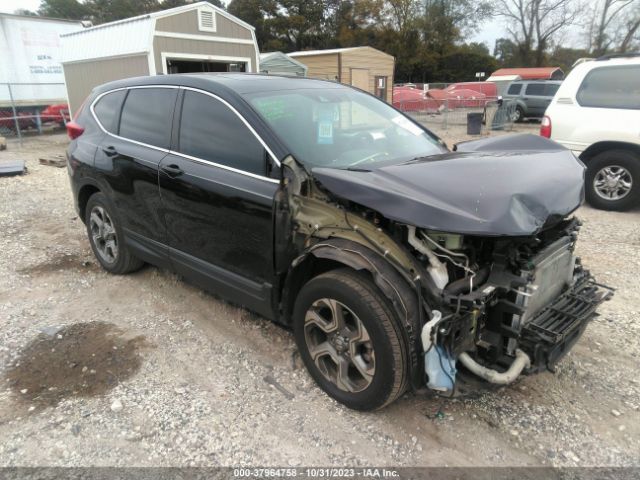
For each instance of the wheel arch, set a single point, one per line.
(84, 194)
(339, 253)
(600, 147)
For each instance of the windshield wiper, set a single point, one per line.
(358, 169)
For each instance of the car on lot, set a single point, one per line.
(398, 263)
(531, 97)
(58, 113)
(596, 114)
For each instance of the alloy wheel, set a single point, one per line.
(613, 182)
(103, 233)
(339, 345)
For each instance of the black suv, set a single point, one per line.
(397, 262)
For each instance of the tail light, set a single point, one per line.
(74, 130)
(545, 127)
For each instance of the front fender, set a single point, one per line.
(402, 296)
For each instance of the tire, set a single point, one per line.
(377, 366)
(518, 115)
(116, 258)
(623, 165)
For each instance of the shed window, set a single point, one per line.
(206, 20)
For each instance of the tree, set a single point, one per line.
(355, 23)
(71, 9)
(25, 11)
(446, 22)
(256, 13)
(631, 38)
(462, 62)
(533, 24)
(564, 57)
(609, 23)
(506, 52)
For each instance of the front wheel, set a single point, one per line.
(350, 341)
(518, 115)
(613, 180)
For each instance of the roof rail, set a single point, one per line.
(610, 56)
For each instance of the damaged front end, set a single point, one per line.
(497, 293)
(512, 306)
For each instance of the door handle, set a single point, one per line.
(110, 151)
(172, 170)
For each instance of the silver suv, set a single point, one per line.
(532, 97)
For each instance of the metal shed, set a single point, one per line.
(198, 37)
(363, 67)
(279, 63)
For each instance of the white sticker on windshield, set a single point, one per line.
(407, 125)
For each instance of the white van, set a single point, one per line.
(596, 114)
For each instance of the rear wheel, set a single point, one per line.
(613, 180)
(106, 237)
(349, 340)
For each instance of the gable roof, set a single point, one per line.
(273, 55)
(165, 13)
(535, 73)
(306, 53)
(127, 36)
(38, 17)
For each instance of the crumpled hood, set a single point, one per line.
(486, 187)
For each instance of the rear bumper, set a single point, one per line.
(551, 333)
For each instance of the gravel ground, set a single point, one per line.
(146, 370)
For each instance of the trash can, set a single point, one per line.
(474, 123)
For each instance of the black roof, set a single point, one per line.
(239, 83)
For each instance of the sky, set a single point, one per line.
(488, 34)
(9, 6)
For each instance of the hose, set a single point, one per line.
(521, 362)
(463, 285)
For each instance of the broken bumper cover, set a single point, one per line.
(551, 333)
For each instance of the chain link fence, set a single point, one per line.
(28, 109)
(495, 113)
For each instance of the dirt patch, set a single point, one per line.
(84, 359)
(60, 262)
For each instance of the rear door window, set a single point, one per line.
(611, 87)
(210, 131)
(146, 115)
(535, 89)
(514, 89)
(107, 110)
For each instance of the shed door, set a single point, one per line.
(360, 78)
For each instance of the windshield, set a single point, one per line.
(342, 128)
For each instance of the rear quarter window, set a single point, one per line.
(611, 87)
(147, 115)
(107, 110)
